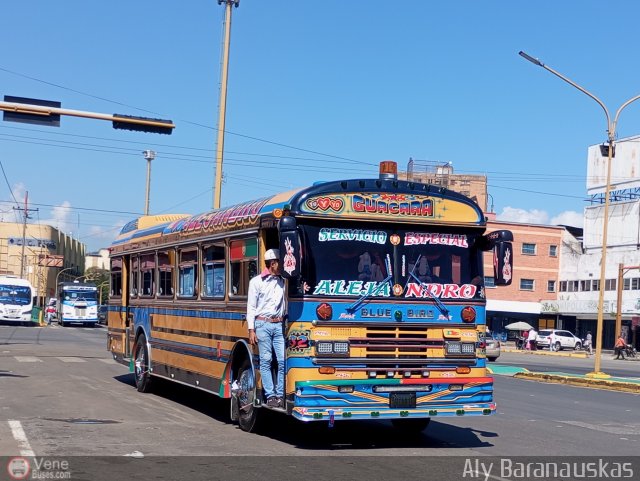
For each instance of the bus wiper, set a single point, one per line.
(354, 307)
(436, 300)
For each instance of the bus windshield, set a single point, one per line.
(383, 261)
(15, 295)
(79, 295)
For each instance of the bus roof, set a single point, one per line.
(365, 199)
(14, 281)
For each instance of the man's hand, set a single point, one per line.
(253, 339)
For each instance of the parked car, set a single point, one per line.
(493, 347)
(558, 339)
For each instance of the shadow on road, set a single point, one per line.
(345, 435)
(10, 374)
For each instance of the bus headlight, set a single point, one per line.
(456, 348)
(332, 348)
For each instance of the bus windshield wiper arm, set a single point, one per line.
(354, 307)
(436, 300)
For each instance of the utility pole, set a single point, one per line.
(26, 211)
(222, 106)
(149, 155)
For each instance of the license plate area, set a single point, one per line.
(402, 400)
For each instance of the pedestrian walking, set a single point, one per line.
(588, 342)
(619, 346)
(265, 321)
(533, 338)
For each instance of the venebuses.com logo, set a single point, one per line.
(18, 468)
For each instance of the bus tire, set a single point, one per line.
(247, 413)
(411, 426)
(141, 365)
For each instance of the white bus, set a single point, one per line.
(16, 299)
(77, 303)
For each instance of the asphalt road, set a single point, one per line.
(69, 398)
(571, 365)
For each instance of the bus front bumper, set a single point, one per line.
(392, 399)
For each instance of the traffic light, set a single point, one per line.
(142, 124)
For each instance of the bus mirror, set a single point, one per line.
(503, 263)
(289, 247)
(489, 241)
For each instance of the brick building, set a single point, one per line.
(536, 260)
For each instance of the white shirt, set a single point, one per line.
(533, 335)
(265, 298)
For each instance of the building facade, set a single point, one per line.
(536, 265)
(40, 254)
(442, 174)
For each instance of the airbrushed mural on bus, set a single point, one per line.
(385, 294)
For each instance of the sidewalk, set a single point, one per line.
(546, 352)
(624, 384)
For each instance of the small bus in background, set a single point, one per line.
(16, 299)
(77, 303)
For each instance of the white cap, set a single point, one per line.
(272, 254)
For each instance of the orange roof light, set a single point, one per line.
(388, 169)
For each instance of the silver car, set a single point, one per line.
(493, 347)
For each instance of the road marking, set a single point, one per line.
(71, 359)
(21, 437)
(27, 359)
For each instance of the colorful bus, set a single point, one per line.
(16, 299)
(77, 303)
(385, 294)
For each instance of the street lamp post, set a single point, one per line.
(611, 135)
(58, 275)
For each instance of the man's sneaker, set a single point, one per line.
(280, 402)
(272, 402)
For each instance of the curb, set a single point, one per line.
(582, 382)
(579, 354)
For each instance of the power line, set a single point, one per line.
(279, 144)
(8, 184)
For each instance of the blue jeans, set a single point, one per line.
(271, 338)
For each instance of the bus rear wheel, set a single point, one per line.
(411, 426)
(247, 411)
(141, 365)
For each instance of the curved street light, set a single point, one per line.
(58, 275)
(611, 136)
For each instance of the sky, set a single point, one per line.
(318, 90)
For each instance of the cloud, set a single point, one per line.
(533, 216)
(19, 191)
(61, 218)
(569, 217)
(100, 236)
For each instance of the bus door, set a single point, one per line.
(119, 319)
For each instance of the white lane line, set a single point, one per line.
(71, 359)
(21, 437)
(27, 359)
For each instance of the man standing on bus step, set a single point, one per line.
(265, 320)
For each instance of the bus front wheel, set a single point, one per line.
(141, 365)
(247, 412)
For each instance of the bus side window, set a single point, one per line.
(243, 256)
(116, 276)
(165, 273)
(147, 274)
(187, 272)
(213, 270)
